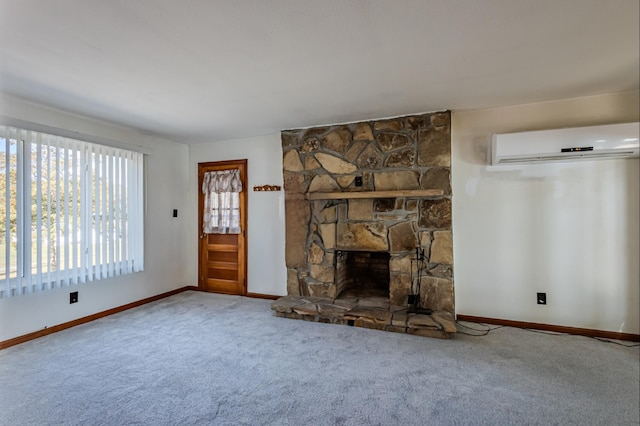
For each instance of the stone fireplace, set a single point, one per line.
(360, 200)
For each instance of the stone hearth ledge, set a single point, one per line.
(373, 313)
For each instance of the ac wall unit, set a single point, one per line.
(572, 144)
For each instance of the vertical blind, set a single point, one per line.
(71, 211)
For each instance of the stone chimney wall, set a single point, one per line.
(405, 153)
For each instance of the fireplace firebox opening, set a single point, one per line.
(361, 274)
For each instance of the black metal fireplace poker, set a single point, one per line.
(413, 300)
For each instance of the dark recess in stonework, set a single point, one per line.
(362, 274)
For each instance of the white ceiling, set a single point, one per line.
(196, 70)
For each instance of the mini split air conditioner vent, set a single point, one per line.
(573, 144)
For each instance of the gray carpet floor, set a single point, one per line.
(198, 358)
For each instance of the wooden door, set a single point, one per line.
(223, 257)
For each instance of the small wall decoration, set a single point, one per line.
(267, 188)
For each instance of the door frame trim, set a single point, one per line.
(244, 211)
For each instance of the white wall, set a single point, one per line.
(165, 242)
(266, 270)
(568, 230)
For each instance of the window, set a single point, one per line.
(221, 202)
(70, 211)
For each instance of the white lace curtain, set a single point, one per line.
(221, 191)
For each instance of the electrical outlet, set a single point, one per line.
(542, 298)
(358, 181)
(73, 297)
